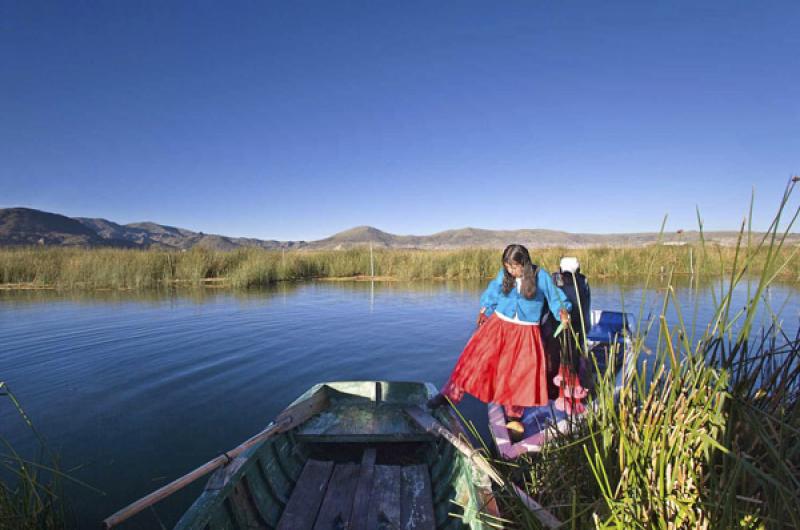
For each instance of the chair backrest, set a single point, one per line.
(610, 324)
(613, 320)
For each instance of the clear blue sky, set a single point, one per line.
(295, 120)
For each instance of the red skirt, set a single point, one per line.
(502, 363)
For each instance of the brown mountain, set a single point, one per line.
(26, 226)
(153, 235)
(533, 238)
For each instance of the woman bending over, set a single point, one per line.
(504, 361)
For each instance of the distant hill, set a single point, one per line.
(152, 235)
(533, 238)
(26, 226)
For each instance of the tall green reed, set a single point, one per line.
(699, 433)
(72, 268)
(31, 490)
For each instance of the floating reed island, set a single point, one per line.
(77, 268)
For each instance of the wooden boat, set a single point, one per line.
(608, 336)
(347, 455)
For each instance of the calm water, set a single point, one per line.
(133, 390)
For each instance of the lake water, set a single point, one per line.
(134, 390)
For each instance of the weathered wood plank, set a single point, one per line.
(432, 425)
(366, 420)
(279, 466)
(243, 508)
(361, 500)
(338, 503)
(296, 414)
(266, 502)
(223, 475)
(275, 478)
(416, 507)
(221, 518)
(284, 451)
(303, 506)
(384, 502)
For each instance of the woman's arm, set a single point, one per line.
(491, 295)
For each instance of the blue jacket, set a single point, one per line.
(513, 303)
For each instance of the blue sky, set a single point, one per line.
(296, 120)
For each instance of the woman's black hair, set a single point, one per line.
(517, 254)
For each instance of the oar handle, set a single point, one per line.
(290, 418)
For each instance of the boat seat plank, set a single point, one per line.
(358, 423)
(363, 489)
(416, 509)
(303, 506)
(338, 502)
(384, 502)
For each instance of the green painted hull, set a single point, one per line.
(415, 480)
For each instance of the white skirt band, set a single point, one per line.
(514, 320)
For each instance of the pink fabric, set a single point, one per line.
(502, 363)
(570, 392)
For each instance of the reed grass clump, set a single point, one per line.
(702, 431)
(71, 268)
(31, 493)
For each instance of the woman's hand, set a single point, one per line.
(481, 317)
(564, 317)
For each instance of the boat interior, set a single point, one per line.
(360, 462)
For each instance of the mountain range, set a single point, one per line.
(27, 226)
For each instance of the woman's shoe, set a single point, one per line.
(437, 401)
(516, 429)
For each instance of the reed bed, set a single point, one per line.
(72, 268)
(700, 432)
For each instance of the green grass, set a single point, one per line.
(31, 488)
(71, 268)
(703, 433)
(31, 493)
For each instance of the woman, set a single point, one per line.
(504, 361)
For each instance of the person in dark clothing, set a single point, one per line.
(576, 288)
(575, 285)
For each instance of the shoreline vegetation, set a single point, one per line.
(77, 268)
(700, 432)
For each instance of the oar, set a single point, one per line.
(288, 419)
(432, 425)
